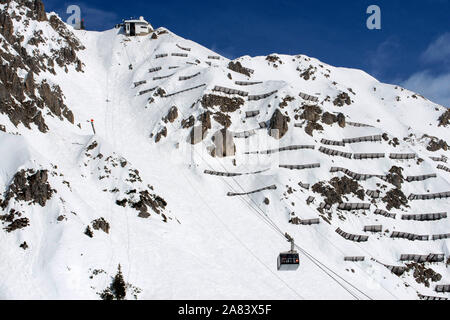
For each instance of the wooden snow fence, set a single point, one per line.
(173, 67)
(377, 228)
(354, 206)
(214, 57)
(139, 83)
(183, 48)
(300, 167)
(354, 259)
(251, 114)
(375, 194)
(230, 91)
(352, 237)
(305, 222)
(332, 152)
(409, 236)
(247, 83)
(402, 156)
(364, 156)
(385, 213)
(433, 196)
(308, 97)
(161, 55)
(261, 96)
(176, 54)
(332, 142)
(421, 178)
(183, 78)
(151, 70)
(363, 139)
(232, 194)
(432, 257)
(441, 167)
(357, 124)
(425, 217)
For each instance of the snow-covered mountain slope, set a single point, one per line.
(137, 193)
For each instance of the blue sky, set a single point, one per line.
(411, 49)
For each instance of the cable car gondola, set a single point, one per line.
(289, 261)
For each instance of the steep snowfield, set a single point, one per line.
(203, 243)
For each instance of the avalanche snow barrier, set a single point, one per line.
(425, 217)
(300, 167)
(433, 196)
(228, 174)
(441, 236)
(289, 148)
(304, 185)
(363, 139)
(230, 91)
(402, 156)
(443, 288)
(441, 167)
(332, 142)
(183, 48)
(354, 206)
(175, 54)
(356, 124)
(137, 84)
(189, 89)
(163, 77)
(308, 222)
(363, 156)
(232, 194)
(147, 91)
(375, 194)
(356, 176)
(421, 178)
(183, 78)
(409, 236)
(377, 228)
(332, 152)
(354, 259)
(352, 237)
(430, 298)
(440, 159)
(423, 258)
(161, 55)
(325, 206)
(151, 70)
(308, 97)
(247, 83)
(214, 57)
(251, 114)
(310, 200)
(385, 213)
(261, 96)
(244, 134)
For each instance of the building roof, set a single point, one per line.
(140, 20)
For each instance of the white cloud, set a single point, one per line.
(434, 87)
(439, 50)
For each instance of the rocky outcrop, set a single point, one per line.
(336, 188)
(237, 67)
(101, 224)
(444, 119)
(342, 99)
(279, 124)
(226, 104)
(198, 133)
(172, 115)
(329, 119)
(29, 186)
(395, 198)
